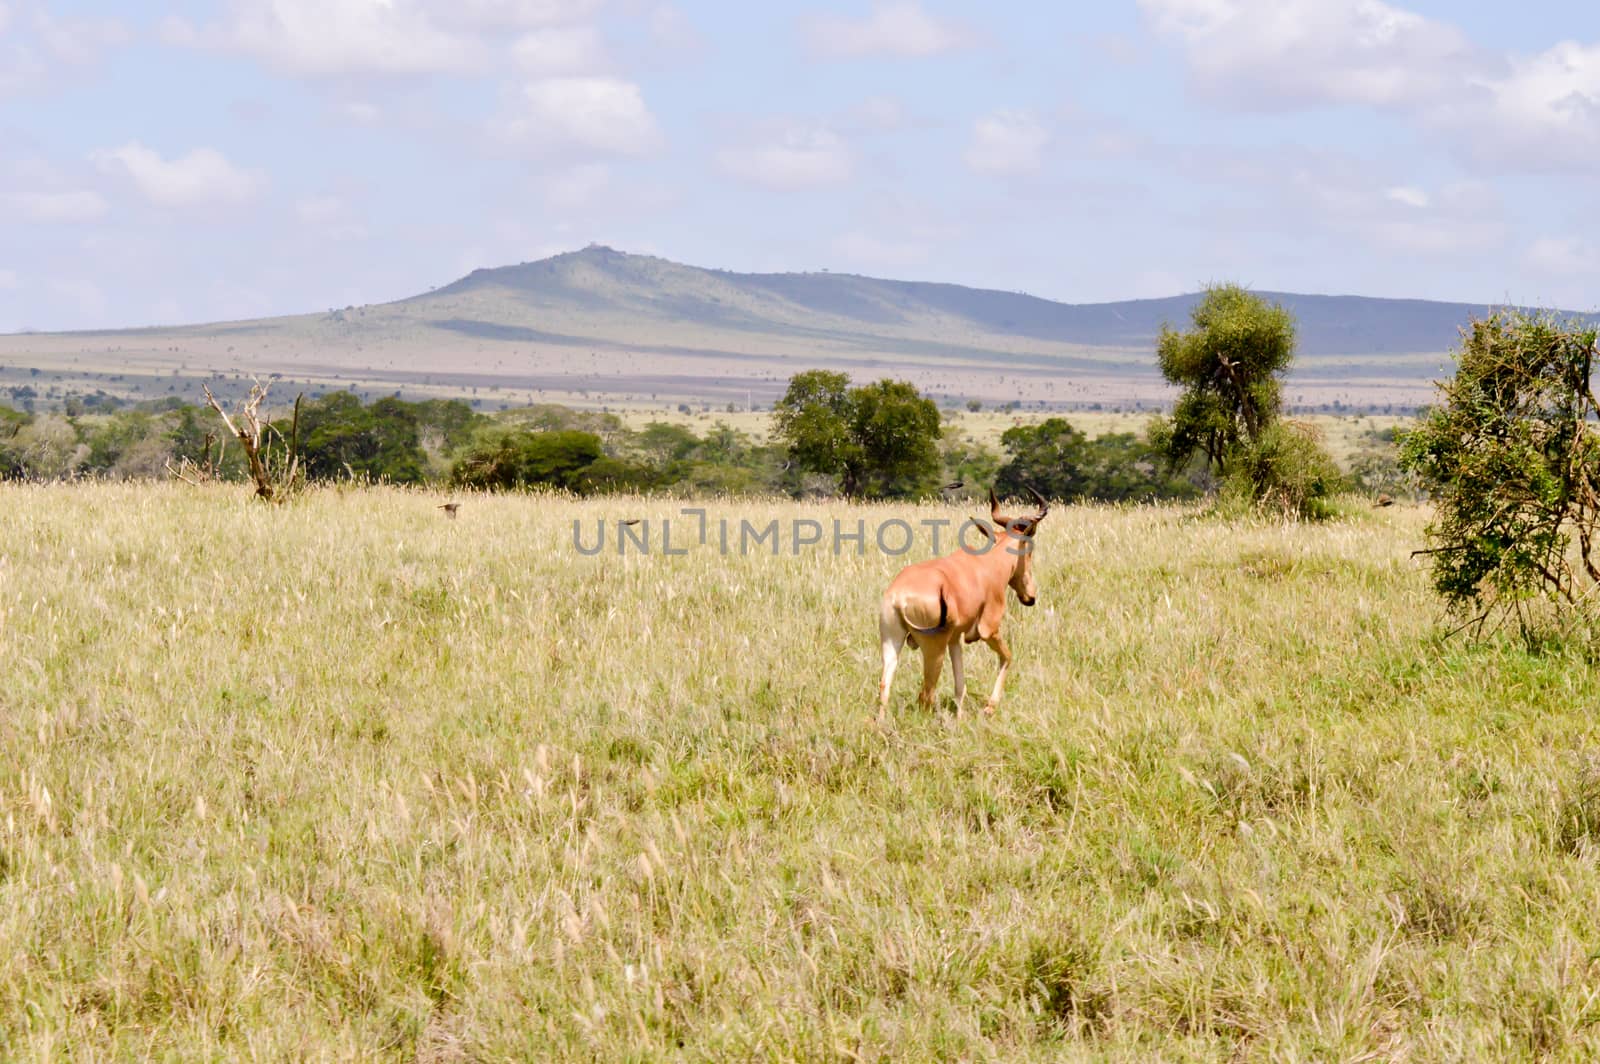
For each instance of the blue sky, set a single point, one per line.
(217, 159)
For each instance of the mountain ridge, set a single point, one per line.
(599, 324)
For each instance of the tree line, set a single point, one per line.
(829, 436)
(881, 440)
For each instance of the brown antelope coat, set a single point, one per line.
(942, 604)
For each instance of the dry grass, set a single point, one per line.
(344, 779)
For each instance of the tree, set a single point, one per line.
(11, 423)
(895, 431)
(881, 440)
(526, 459)
(1512, 460)
(340, 437)
(1059, 461)
(1230, 366)
(813, 421)
(1052, 456)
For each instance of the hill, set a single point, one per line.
(603, 325)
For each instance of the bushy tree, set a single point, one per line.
(1062, 463)
(1230, 365)
(896, 433)
(341, 437)
(881, 440)
(11, 423)
(1511, 457)
(566, 459)
(813, 421)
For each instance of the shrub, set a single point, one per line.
(1512, 459)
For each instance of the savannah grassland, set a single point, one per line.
(346, 780)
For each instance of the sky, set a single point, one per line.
(220, 159)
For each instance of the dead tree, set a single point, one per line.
(273, 479)
(203, 472)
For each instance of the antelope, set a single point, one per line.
(940, 604)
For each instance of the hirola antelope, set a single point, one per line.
(941, 604)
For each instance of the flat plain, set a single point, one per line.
(345, 779)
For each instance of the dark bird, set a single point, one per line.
(450, 508)
(632, 521)
(1385, 499)
(953, 485)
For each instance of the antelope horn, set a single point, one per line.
(994, 503)
(1044, 507)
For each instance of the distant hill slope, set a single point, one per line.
(602, 325)
(604, 281)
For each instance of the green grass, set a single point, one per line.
(344, 779)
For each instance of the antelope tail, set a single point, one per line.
(944, 617)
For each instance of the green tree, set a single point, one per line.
(1059, 461)
(557, 459)
(1511, 458)
(339, 436)
(813, 420)
(1051, 456)
(895, 432)
(1230, 366)
(881, 440)
(11, 423)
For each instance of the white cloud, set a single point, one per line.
(1348, 198)
(671, 31)
(199, 179)
(1541, 114)
(1008, 143)
(1562, 256)
(560, 50)
(599, 115)
(63, 206)
(1270, 54)
(895, 27)
(332, 37)
(35, 49)
(578, 187)
(360, 112)
(493, 15)
(879, 114)
(77, 41)
(328, 217)
(353, 37)
(1509, 112)
(319, 210)
(798, 157)
(1409, 195)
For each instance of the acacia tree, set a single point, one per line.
(881, 440)
(1512, 459)
(1231, 366)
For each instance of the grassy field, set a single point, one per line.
(345, 779)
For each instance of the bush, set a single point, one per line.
(1062, 463)
(1284, 470)
(1512, 459)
